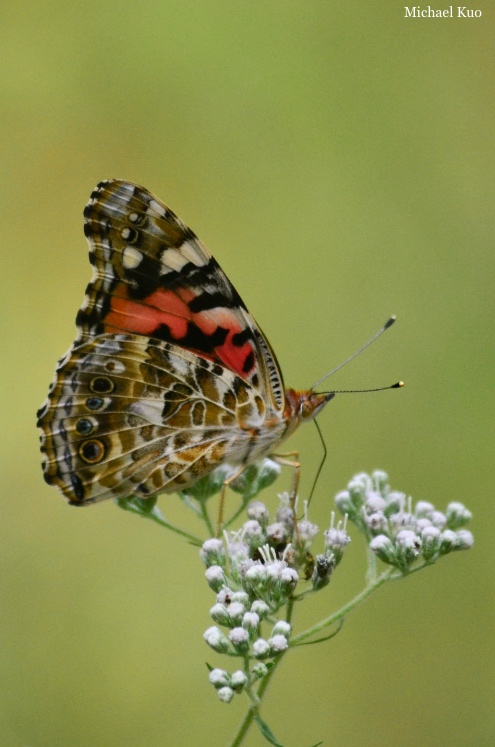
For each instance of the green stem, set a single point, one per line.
(254, 707)
(256, 698)
(206, 518)
(156, 516)
(371, 572)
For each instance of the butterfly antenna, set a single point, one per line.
(386, 326)
(397, 385)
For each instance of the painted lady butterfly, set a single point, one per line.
(169, 376)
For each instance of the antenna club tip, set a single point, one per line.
(399, 385)
(389, 323)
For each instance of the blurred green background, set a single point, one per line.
(337, 159)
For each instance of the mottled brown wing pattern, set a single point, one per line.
(128, 415)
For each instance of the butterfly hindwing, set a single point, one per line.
(130, 415)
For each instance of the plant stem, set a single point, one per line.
(254, 707)
(206, 518)
(257, 697)
(158, 519)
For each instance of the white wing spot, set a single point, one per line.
(125, 233)
(192, 254)
(154, 205)
(149, 410)
(181, 367)
(131, 257)
(133, 217)
(173, 259)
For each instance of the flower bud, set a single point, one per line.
(259, 670)
(225, 694)
(344, 503)
(260, 608)
(430, 542)
(281, 627)
(422, 524)
(357, 490)
(285, 512)
(408, 546)
(457, 515)
(395, 503)
(465, 540)
(438, 519)
(268, 473)
(215, 577)
(220, 614)
(402, 520)
(374, 503)
(255, 477)
(216, 640)
(239, 681)
(364, 479)
(219, 678)
(384, 548)
(253, 534)
(241, 597)
(240, 640)
(255, 578)
(213, 553)
(336, 540)
(288, 580)
(307, 531)
(423, 508)
(251, 623)
(380, 482)
(276, 533)
(261, 649)
(448, 541)
(236, 612)
(277, 644)
(377, 522)
(258, 512)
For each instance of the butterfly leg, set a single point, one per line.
(222, 498)
(283, 459)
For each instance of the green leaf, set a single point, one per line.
(266, 732)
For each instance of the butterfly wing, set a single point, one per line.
(153, 277)
(169, 373)
(128, 415)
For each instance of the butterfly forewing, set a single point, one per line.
(152, 276)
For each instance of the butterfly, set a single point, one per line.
(169, 377)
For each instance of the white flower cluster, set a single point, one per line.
(398, 532)
(254, 572)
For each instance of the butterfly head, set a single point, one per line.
(305, 405)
